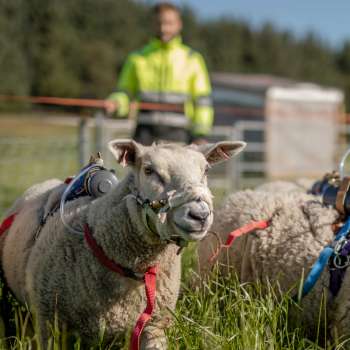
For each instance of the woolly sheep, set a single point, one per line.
(300, 227)
(301, 185)
(56, 273)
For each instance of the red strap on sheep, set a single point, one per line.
(6, 224)
(149, 279)
(250, 227)
(68, 180)
(150, 287)
(100, 255)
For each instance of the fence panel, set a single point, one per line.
(38, 155)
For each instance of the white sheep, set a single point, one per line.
(56, 272)
(300, 226)
(300, 185)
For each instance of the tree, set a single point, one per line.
(13, 65)
(76, 48)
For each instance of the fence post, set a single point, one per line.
(99, 131)
(102, 136)
(83, 139)
(235, 165)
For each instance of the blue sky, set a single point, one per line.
(330, 19)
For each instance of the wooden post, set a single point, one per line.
(234, 165)
(100, 132)
(83, 141)
(103, 135)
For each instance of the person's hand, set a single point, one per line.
(110, 106)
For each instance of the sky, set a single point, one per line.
(329, 19)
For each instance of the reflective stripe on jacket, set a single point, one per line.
(169, 73)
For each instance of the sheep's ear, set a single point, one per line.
(125, 151)
(221, 151)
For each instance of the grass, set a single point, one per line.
(32, 151)
(221, 313)
(218, 313)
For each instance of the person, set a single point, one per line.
(170, 82)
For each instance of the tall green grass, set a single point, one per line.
(215, 313)
(221, 313)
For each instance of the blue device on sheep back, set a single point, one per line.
(93, 180)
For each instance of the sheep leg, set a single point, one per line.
(49, 328)
(43, 333)
(153, 336)
(339, 331)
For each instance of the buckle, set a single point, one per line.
(340, 261)
(338, 245)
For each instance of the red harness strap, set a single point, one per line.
(150, 287)
(6, 224)
(149, 279)
(100, 255)
(68, 180)
(250, 227)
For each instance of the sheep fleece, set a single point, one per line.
(57, 272)
(300, 227)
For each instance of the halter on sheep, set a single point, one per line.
(86, 184)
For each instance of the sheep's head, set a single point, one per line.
(172, 179)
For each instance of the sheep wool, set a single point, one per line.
(300, 227)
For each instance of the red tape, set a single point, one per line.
(250, 227)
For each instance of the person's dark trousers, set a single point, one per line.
(146, 134)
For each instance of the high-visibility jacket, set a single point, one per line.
(169, 73)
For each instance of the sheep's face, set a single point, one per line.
(174, 178)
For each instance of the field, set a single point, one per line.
(216, 314)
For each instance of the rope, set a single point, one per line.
(250, 227)
(83, 102)
(95, 103)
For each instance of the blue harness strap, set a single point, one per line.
(316, 270)
(322, 260)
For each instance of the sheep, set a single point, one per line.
(300, 185)
(57, 275)
(300, 226)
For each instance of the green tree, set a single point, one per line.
(14, 77)
(76, 48)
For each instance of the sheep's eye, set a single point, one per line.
(148, 171)
(207, 167)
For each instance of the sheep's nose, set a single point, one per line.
(199, 211)
(194, 217)
(198, 215)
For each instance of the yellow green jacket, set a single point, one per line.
(170, 73)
